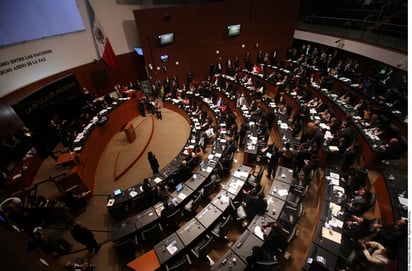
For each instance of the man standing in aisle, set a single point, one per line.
(84, 236)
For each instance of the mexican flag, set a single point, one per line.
(101, 40)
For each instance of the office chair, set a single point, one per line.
(125, 246)
(300, 190)
(358, 211)
(291, 213)
(208, 188)
(203, 247)
(222, 227)
(139, 202)
(173, 220)
(193, 204)
(181, 264)
(317, 266)
(255, 178)
(119, 211)
(152, 233)
(268, 265)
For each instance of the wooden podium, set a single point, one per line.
(129, 131)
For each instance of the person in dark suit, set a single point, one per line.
(84, 236)
(154, 164)
(390, 235)
(168, 209)
(273, 162)
(255, 205)
(276, 239)
(358, 203)
(141, 107)
(349, 156)
(258, 254)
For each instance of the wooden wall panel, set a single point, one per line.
(200, 30)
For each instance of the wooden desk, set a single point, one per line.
(66, 158)
(89, 156)
(145, 262)
(23, 174)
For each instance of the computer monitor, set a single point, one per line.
(117, 192)
(179, 187)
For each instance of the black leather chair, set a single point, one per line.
(173, 220)
(268, 265)
(222, 227)
(255, 177)
(317, 266)
(291, 213)
(193, 204)
(208, 188)
(183, 263)
(153, 233)
(126, 246)
(139, 202)
(203, 247)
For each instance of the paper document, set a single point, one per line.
(181, 196)
(332, 235)
(172, 248)
(258, 231)
(157, 180)
(282, 192)
(110, 202)
(334, 222)
(334, 175)
(403, 201)
(333, 148)
(334, 208)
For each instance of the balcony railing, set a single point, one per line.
(389, 35)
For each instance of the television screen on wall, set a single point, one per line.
(139, 51)
(165, 39)
(164, 58)
(233, 30)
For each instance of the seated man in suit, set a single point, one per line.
(391, 234)
(168, 209)
(359, 203)
(258, 254)
(255, 205)
(184, 172)
(276, 239)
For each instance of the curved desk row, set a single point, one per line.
(118, 204)
(331, 245)
(370, 148)
(397, 115)
(195, 228)
(91, 144)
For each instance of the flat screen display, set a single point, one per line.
(233, 30)
(23, 20)
(117, 192)
(139, 51)
(166, 39)
(164, 58)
